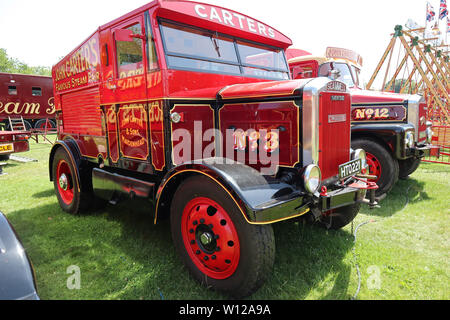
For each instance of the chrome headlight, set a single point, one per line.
(311, 178)
(361, 154)
(409, 139)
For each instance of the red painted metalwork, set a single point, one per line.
(14, 142)
(282, 116)
(27, 96)
(374, 166)
(210, 238)
(334, 132)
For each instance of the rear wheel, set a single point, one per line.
(43, 124)
(407, 167)
(381, 164)
(4, 157)
(217, 245)
(70, 197)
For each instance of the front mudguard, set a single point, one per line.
(261, 199)
(392, 136)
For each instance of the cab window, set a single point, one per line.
(129, 55)
(196, 49)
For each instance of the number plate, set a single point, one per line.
(6, 148)
(349, 169)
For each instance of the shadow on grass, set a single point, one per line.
(123, 255)
(404, 192)
(44, 194)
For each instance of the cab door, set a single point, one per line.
(127, 114)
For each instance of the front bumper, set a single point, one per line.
(426, 150)
(295, 205)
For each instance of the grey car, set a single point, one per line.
(17, 280)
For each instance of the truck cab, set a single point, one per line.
(390, 127)
(191, 108)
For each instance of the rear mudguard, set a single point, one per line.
(261, 199)
(391, 136)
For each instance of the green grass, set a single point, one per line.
(123, 255)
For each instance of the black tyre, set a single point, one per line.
(215, 242)
(42, 123)
(381, 164)
(338, 218)
(70, 197)
(407, 167)
(4, 157)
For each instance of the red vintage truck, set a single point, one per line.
(390, 127)
(191, 107)
(13, 142)
(27, 97)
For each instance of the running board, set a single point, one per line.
(112, 186)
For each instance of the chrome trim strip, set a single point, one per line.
(413, 113)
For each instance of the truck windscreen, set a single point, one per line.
(202, 50)
(344, 72)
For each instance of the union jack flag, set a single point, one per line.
(443, 13)
(430, 12)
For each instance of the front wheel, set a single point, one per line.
(338, 218)
(407, 167)
(381, 164)
(215, 242)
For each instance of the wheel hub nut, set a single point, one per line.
(206, 238)
(63, 182)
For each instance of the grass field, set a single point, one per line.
(402, 249)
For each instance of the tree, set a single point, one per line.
(399, 83)
(12, 65)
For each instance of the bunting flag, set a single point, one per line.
(443, 16)
(443, 22)
(431, 22)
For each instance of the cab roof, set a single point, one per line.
(211, 17)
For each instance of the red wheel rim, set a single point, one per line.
(64, 182)
(374, 166)
(210, 238)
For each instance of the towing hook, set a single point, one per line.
(373, 203)
(369, 186)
